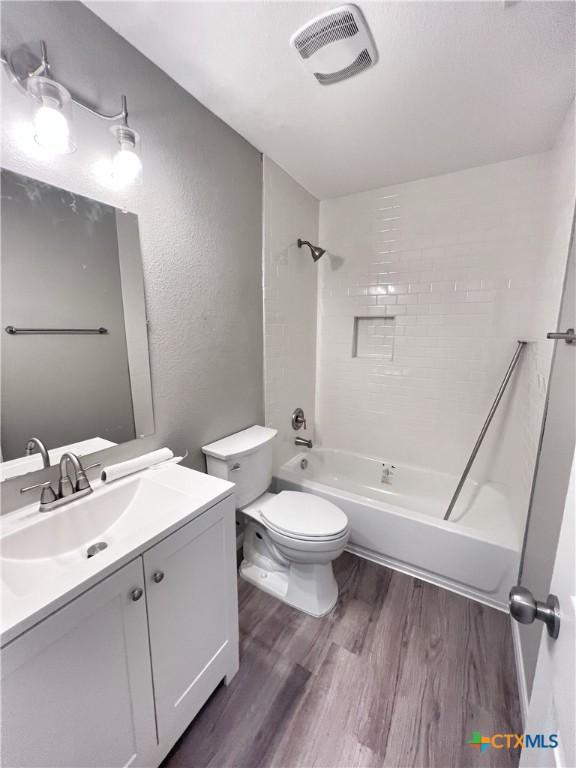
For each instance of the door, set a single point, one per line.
(552, 707)
(548, 556)
(76, 689)
(193, 616)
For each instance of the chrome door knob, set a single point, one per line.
(525, 609)
(136, 593)
(157, 576)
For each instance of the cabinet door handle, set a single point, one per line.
(136, 593)
(157, 576)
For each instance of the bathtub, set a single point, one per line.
(395, 514)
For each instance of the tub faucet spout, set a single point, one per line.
(303, 441)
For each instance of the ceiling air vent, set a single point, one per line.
(335, 45)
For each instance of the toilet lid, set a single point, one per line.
(302, 514)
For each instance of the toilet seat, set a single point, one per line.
(304, 517)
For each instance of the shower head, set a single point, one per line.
(315, 250)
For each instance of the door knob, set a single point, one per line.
(157, 576)
(568, 336)
(136, 593)
(525, 609)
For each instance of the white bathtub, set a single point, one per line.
(400, 523)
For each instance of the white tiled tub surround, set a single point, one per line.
(459, 261)
(290, 301)
(513, 450)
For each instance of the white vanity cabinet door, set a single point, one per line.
(76, 689)
(193, 616)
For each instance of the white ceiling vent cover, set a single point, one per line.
(335, 45)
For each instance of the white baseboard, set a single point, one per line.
(520, 672)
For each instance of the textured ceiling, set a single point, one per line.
(458, 84)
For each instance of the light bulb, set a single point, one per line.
(51, 129)
(126, 166)
(126, 163)
(52, 116)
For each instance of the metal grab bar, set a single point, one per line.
(481, 436)
(13, 331)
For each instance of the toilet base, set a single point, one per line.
(309, 588)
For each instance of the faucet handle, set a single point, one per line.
(298, 419)
(82, 481)
(47, 494)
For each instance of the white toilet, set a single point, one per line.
(291, 538)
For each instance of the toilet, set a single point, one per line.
(291, 538)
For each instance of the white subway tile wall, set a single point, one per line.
(466, 265)
(374, 337)
(512, 459)
(290, 300)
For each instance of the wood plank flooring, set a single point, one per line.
(399, 674)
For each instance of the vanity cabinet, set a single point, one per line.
(193, 623)
(115, 676)
(77, 688)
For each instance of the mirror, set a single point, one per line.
(74, 354)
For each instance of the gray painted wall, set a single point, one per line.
(199, 210)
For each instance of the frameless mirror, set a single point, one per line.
(74, 354)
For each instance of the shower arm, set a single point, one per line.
(482, 435)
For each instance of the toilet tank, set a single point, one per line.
(244, 458)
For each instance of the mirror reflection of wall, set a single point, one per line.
(69, 262)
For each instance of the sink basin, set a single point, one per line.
(85, 521)
(44, 560)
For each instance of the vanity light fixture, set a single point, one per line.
(52, 113)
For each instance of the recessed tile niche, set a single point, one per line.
(374, 337)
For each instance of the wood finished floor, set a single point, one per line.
(399, 674)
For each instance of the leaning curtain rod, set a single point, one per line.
(53, 331)
(481, 436)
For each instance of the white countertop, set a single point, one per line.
(157, 502)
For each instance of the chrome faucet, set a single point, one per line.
(65, 485)
(303, 441)
(67, 490)
(34, 443)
